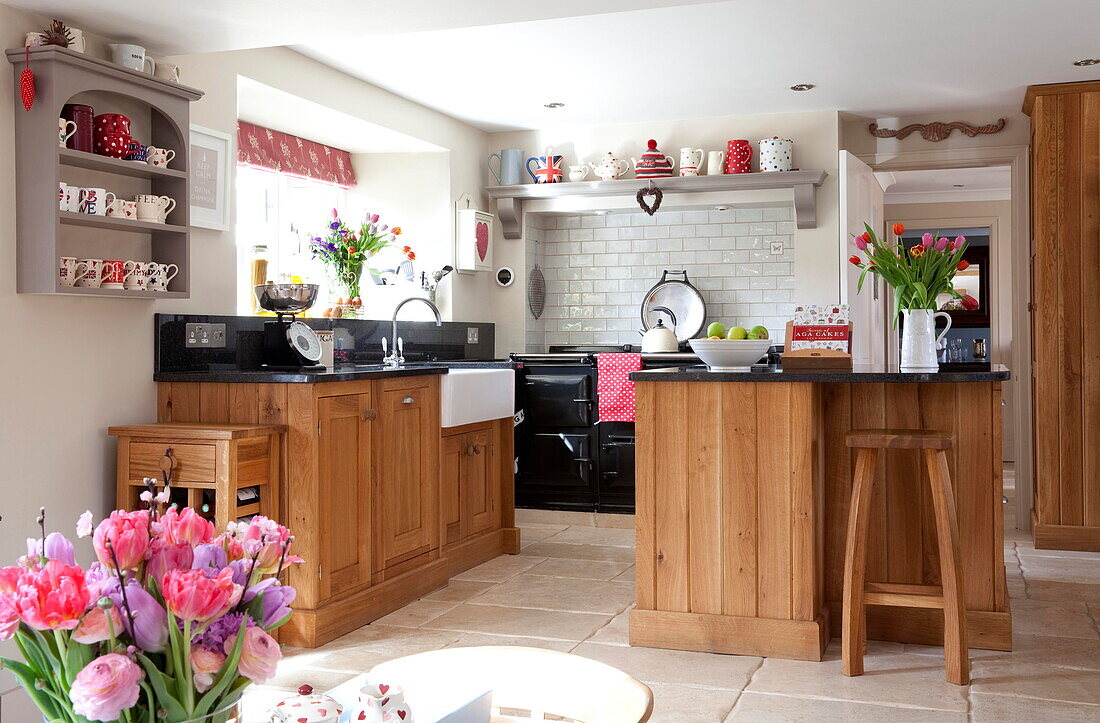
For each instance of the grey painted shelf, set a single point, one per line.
(63, 76)
(510, 199)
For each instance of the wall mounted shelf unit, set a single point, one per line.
(43, 232)
(510, 199)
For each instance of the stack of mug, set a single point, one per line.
(115, 274)
(101, 202)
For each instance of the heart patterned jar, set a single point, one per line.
(306, 707)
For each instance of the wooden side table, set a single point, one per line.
(207, 466)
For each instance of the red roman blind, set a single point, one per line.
(281, 152)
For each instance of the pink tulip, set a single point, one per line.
(942, 244)
(374, 218)
(105, 687)
(266, 540)
(335, 213)
(205, 664)
(959, 242)
(10, 578)
(927, 240)
(98, 625)
(191, 595)
(9, 618)
(164, 556)
(128, 533)
(185, 528)
(860, 243)
(53, 598)
(260, 655)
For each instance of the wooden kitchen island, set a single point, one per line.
(743, 486)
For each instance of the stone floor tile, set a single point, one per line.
(899, 679)
(616, 632)
(500, 568)
(390, 640)
(290, 678)
(687, 704)
(1004, 677)
(416, 613)
(588, 569)
(1026, 548)
(986, 708)
(1060, 569)
(1062, 591)
(1043, 617)
(595, 536)
(535, 533)
(553, 624)
(477, 639)
(618, 522)
(554, 517)
(559, 593)
(627, 576)
(579, 552)
(655, 665)
(874, 647)
(459, 591)
(766, 708)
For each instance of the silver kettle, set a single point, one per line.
(659, 339)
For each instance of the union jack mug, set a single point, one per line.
(547, 168)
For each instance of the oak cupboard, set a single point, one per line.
(361, 490)
(1065, 294)
(470, 480)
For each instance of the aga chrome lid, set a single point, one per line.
(304, 340)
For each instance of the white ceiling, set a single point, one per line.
(269, 107)
(948, 185)
(496, 62)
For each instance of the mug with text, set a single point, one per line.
(93, 201)
(114, 274)
(135, 275)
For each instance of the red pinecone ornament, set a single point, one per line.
(26, 83)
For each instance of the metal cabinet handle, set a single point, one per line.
(370, 415)
(408, 400)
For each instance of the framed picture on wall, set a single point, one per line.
(211, 158)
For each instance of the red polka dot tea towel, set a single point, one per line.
(614, 389)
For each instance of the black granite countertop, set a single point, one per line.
(342, 373)
(763, 373)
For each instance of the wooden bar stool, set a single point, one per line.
(857, 593)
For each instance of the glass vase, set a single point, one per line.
(345, 286)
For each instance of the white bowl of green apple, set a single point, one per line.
(732, 350)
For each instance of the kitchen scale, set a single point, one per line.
(289, 344)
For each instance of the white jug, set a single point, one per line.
(690, 161)
(918, 340)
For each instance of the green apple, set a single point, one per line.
(758, 332)
(716, 329)
(737, 332)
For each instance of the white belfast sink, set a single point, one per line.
(476, 395)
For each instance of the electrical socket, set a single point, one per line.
(210, 336)
(777, 248)
(471, 334)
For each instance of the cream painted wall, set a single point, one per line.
(816, 137)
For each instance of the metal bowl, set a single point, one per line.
(286, 298)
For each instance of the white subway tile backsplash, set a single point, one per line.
(598, 269)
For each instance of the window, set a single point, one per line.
(281, 212)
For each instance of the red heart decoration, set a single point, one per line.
(383, 688)
(383, 703)
(401, 714)
(303, 720)
(362, 715)
(481, 233)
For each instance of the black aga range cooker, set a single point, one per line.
(567, 458)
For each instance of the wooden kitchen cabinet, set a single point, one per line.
(345, 487)
(470, 481)
(1065, 248)
(383, 507)
(406, 471)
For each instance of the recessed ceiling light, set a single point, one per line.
(721, 208)
(602, 213)
(803, 86)
(958, 185)
(555, 104)
(1083, 62)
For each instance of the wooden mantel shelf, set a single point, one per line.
(510, 199)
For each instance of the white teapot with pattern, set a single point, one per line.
(609, 167)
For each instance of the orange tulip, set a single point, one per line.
(899, 229)
(396, 231)
(917, 251)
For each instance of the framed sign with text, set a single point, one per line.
(211, 158)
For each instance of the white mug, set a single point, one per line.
(132, 57)
(690, 161)
(69, 197)
(159, 275)
(121, 208)
(94, 272)
(63, 131)
(168, 71)
(716, 163)
(154, 208)
(93, 201)
(135, 275)
(69, 270)
(158, 156)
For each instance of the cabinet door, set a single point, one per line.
(345, 491)
(406, 488)
(480, 483)
(452, 457)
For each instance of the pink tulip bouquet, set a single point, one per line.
(171, 623)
